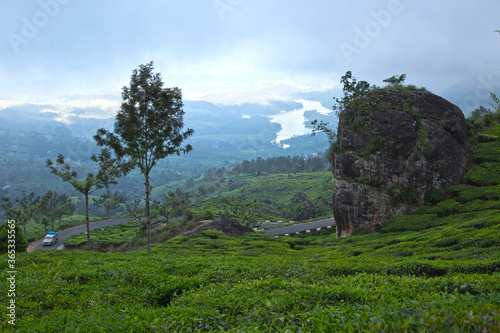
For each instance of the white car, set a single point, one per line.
(51, 238)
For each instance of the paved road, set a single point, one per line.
(300, 227)
(65, 234)
(278, 231)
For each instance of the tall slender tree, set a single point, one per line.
(109, 169)
(55, 206)
(148, 127)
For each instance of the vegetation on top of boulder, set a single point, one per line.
(356, 105)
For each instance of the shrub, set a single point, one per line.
(434, 196)
(417, 269)
(360, 231)
(408, 223)
(212, 234)
(188, 215)
(6, 235)
(485, 174)
(487, 152)
(447, 207)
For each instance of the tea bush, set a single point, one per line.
(420, 273)
(116, 235)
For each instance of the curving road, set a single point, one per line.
(66, 233)
(300, 227)
(278, 231)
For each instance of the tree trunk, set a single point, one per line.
(87, 219)
(148, 219)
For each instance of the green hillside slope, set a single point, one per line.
(273, 193)
(437, 270)
(444, 278)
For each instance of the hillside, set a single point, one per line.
(224, 135)
(442, 278)
(434, 270)
(273, 192)
(269, 196)
(438, 270)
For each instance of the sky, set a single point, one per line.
(80, 53)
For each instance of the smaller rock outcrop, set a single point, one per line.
(237, 185)
(300, 208)
(228, 226)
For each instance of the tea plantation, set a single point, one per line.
(437, 270)
(443, 277)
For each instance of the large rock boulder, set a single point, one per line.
(408, 144)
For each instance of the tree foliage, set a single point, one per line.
(135, 210)
(109, 201)
(148, 127)
(23, 211)
(174, 204)
(55, 206)
(352, 90)
(6, 234)
(356, 106)
(109, 169)
(396, 80)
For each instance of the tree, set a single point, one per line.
(135, 210)
(26, 206)
(148, 127)
(395, 80)
(55, 206)
(496, 102)
(109, 169)
(479, 113)
(6, 232)
(178, 202)
(353, 91)
(44, 220)
(109, 201)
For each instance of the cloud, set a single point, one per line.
(248, 51)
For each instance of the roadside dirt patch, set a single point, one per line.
(94, 246)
